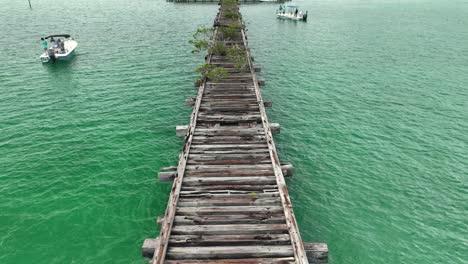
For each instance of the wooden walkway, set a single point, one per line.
(229, 202)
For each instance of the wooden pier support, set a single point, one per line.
(190, 101)
(181, 131)
(287, 169)
(149, 246)
(171, 172)
(275, 128)
(261, 82)
(167, 174)
(317, 253)
(160, 220)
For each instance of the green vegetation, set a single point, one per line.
(202, 39)
(230, 31)
(218, 48)
(238, 57)
(212, 73)
(253, 195)
(232, 15)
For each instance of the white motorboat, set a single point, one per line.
(62, 47)
(291, 12)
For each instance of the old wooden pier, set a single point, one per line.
(229, 202)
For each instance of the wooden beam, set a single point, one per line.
(275, 128)
(287, 169)
(181, 131)
(167, 176)
(261, 82)
(230, 252)
(160, 220)
(149, 246)
(190, 101)
(317, 253)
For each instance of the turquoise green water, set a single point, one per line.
(371, 95)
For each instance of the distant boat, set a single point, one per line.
(62, 51)
(289, 12)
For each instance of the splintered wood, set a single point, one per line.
(229, 202)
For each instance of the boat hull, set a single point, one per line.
(291, 16)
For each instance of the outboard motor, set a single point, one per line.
(52, 57)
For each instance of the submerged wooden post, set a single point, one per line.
(317, 253)
(287, 169)
(167, 174)
(275, 128)
(181, 131)
(149, 246)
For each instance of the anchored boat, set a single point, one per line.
(291, 12)
(62, 47)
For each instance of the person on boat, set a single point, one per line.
(62, 46)
(59, 43)
(295, 12)
(44, 44)
(53, 43)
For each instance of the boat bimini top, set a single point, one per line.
(58, 36)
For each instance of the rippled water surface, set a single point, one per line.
(372, 97)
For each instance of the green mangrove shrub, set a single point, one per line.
(218, 49)
(212, 73)
(202, 39)
(238, 57)
(232, 15)
(230, 31)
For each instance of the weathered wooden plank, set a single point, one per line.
(219, 180)
(218, 168)
(286, 260)
(231, 173)
(206, 159)
(229, 219)
(227, 118)
(232, 194)
(254, 201)
(229, 240)
(257, 210)
(232, 187)
(237, 229)
(229, 252)
(228, 151)
(230, 131)
(228, 146)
